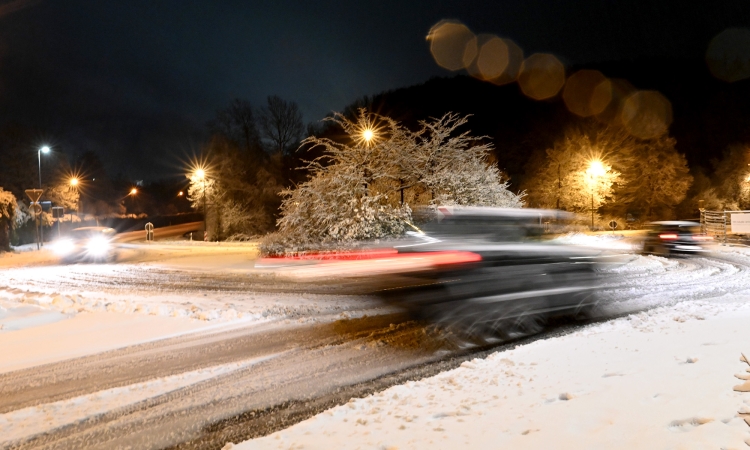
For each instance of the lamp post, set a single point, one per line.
(201, 174)
(39, 152)
(595, 170)
(74, 185)
(131, 194)
(43, 149)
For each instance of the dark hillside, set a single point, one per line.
(708, 114)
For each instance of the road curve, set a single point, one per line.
(288, 373)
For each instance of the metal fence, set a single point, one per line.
(719, 225)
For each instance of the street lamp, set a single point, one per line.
(133, 191)
(73, 182)
(43, 149)
(596, 169)
(368, 135)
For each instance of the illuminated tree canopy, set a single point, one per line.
(365, 186)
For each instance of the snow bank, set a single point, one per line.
(658, 379)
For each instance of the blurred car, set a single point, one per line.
(496, 276)
(87, 244)
(667, 238)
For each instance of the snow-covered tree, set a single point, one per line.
(63, 194)
(239, 197)
(364, 187)
(644, 177)
(337, 207)
(454, 166)
(656, 178)
(731, 181)
(568, 174)
(8, 207)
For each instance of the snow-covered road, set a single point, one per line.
(251, 353)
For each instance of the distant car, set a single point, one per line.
(669, 238)
(87, 244)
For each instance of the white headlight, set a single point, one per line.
(97, 246)
(62, 247)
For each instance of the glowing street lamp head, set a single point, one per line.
(133, 191)
(44, 149)
(365, 131)
(200, 173)
(596, 168)
(74, 181)
(180, 194)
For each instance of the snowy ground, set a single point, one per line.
(660, 379)
(656, 379)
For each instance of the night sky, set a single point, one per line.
(136, 80)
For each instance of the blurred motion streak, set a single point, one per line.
(381, 265)
(483, 271)
(728, 55)
(516, 282)
(542, 76)
(587, 93)
(646, 114)
(339, 256)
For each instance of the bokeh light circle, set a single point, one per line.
(493, 58)
(646, 114)
(587, 93)
(452, 44)
(601, 98)
(728, 55)
(619, 89)
(515, 61)
(542, 76)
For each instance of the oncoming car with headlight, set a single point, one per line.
(87, 244)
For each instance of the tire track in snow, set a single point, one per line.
(669, 281)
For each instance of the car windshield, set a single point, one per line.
(489, 228)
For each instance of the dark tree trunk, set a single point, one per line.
(4, 235)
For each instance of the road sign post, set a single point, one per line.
(149, 232)
(57, 213)
(613, 225)
(34, 195)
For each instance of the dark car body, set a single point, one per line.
(667, 238)
(87, 244)
(514, 281)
